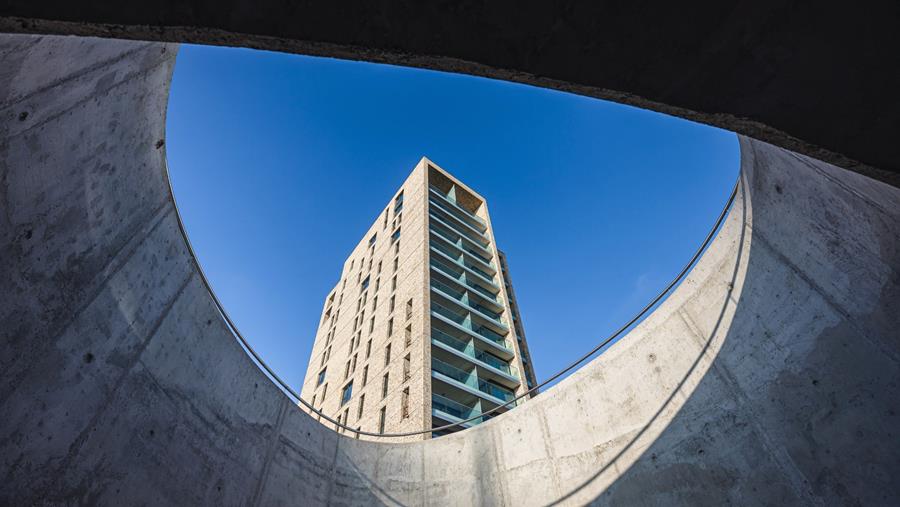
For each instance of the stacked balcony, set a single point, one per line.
(471, 351)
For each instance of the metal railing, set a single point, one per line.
(267, 370)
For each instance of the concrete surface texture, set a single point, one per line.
(770, 376)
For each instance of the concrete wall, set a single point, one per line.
(769, 377)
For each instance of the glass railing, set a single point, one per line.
(451, 272)
(444, 250)
(456, 409)
(489, 279)
(459, 244)
(448, 370)
(451, 211)
(496, 391)
(463, 322)
(445, 232)
(471, 380)
(450, 314)
(457, 206)
(460, 345)
(468, 348)
(490, 335)
(496, 362)
(480, 310)
(490, 313)
(446, 289)
(458, 228)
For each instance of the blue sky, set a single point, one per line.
(281, 162)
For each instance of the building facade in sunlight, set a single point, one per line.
(422, 329)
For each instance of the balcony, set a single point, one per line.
(443, 407)
(464, 321)
(462, 298)
(461, 260)
(476, 356)
(466, 214)
(470, 382)
(458, 275)
(446, 232)
(458, 227)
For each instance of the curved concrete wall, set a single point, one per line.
(769, 377)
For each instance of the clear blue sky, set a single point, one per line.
(281, 162)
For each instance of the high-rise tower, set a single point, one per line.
(423, 328)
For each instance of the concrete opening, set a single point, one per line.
(769, 376)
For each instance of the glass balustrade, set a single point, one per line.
(448, 370)
(446, 289)
(460, 296)
(444, 218)
(471, 380)
(468, 348)
(449, 236)
(464, 224)
(462, 320)
(457, 206)
(460, 278)
(501, 393)
(456, 409)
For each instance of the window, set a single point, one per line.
(385, 219)
(369, 348)
(358, 277)
(390, 327)
(341, 299)
(396, 263)
(372, 239)
(365, 378)
(374, 303)
(409, 309)
(313, 404)
(377, 284)
(370, 265)
(324, 392)
(381, 421)
(346, 394)
(379, 267)
(404, 404)
(394, 283)
(343, 283)
(321, 377)
(352, 339)
(397, 248)
(347, 370)
(387, 354)
(407, 335)
(364, 296)
(359, 409)
(324, 358)
(327, 353)
(406, 364)
(365, 283)
(353, 364)
(372, 324)
(346, 418)
(352, 262)
(395, 236)
(391, 305)
(384, 385)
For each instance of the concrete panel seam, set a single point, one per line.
(551, 451)
(845, 315)
(270, 452)
(116, 262)
(83, 435)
